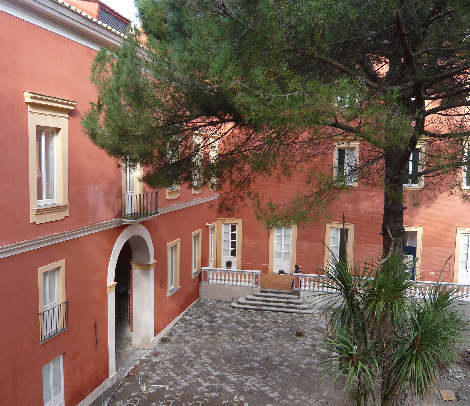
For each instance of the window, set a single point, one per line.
(132, 187)
(196, 252)
(466, 168)
(462, 256)
(282, 249)
(197, 163)
(229, 233)
(213, 154)
(340, 240)
(173, 192)
(47, 167)
(212, 244)
(52, 303)
(413, 167)
(412, 248)
(346, 158)
(173, 249)
(53, 382)
(48, 119)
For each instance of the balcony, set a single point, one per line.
(53, 321)
(136, 207)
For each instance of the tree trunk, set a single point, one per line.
(393, 232)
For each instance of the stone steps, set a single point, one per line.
(275, 295)
(274, 301)
(271, 309)
(282, 292)
(296, 301)
(294, 306)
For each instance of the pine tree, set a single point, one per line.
(278, 79)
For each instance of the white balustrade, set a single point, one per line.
(233, 277)
(321, 283)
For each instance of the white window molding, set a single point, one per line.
(173, 262)
(196, 252)
(466, 168)
(213, 156)
(332, 238)
(212, 245)
(282, 249)
(53, 382)
(414, 166)
(462, 256)
(198, 151)
(345, 162)
(52, 309)
(229, 242)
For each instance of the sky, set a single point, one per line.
(124, 7)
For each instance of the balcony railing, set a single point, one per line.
(53, 321)
(234, 277)
(321, 283)
(139, 206)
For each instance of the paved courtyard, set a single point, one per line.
(217, 355)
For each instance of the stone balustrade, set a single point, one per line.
(232, 277)
(321, 283)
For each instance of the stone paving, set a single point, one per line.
(217, 355)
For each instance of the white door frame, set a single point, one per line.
(284, 264)
(458, 278)
(142, 289)
(230, 257)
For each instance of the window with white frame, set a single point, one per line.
(282, 249)
(464, 259)
(196, 252)
(52, 301)
(340, 239)
(173, 191)
(213, 154)
(53, 382)
(345, 162)
(173, 266)
(412, 169)
(211, 245)
(197, 161)
(46, 166)
(466, 168)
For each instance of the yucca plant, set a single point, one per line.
(381, 339)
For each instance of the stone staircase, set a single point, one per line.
(274, 301)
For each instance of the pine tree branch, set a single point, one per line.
(446, 107)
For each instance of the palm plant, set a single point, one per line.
(382, 339)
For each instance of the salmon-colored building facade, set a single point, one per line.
(76, 249)
(63, 238)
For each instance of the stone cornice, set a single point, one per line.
(29, 245)
(179, 206)
(49, 101)
(65, 20)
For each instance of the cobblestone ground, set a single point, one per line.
(217, 355)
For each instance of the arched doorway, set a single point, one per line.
(136, 238)
(123, 303)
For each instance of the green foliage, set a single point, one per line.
(277, 80)
(381, 339)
